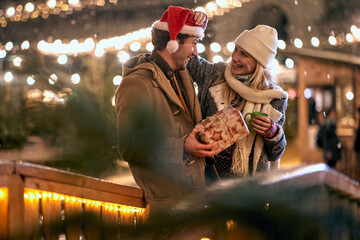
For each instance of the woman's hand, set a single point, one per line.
(261, 124)
(199, 17)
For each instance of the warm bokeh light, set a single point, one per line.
(135, 46)
(281, 44)
(349, 95)
(30, 80)
(10, 11)
(123, 56)
(99, 52)
(29, 7)
(289, 63)
(217, 58)
(73, 2)
(62, 59)
(221, 3)
(200, 47)
(75, 78)
(25, 45)
(349, 37)
(315, 41)
(200, 9)
(149, 47)
(215, 47)
(230, 46)
(8, 77)
(332, 40)
(53, 78)
(2, 53)
(9, 46)
(211, 6)
(298, 43)
(17, 61)
(117, 80)
(51, 3)
(275, 66)
(308, 93)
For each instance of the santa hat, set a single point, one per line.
(179, 20)
(260, 42)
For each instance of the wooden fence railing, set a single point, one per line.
(38, 202)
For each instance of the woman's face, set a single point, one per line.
(242, 62)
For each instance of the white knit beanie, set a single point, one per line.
(260, 42)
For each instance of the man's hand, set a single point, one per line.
(193, 146)
(199, 17)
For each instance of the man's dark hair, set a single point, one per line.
(160, 38)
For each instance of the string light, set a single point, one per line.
(298, 43)
(200, 47)
(117, 80)
(35, 195)
(119, 42)
(230, 46)
(315, 41)
(53, 78)
(9, 46)
(332, 40)
(2, 53)
(17, 61)
(217, 58)
(149, 47)
(8, 77)
(289, 63)
(75, 78)
(281, 44)
(30, 80)
(215, 47)
(62, 59)
(25, 45)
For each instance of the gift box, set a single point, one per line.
(224, 127)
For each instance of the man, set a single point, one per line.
(157, 109)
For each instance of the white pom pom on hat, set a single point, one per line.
(179, 20)
(260, 42)
(172, 46)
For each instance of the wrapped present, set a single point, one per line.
(224, 127)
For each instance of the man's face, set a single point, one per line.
(186, 50)
(242, 62)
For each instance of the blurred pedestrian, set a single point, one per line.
(328, 140)
(357, 143)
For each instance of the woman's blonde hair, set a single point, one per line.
(262, 79)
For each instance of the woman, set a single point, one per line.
(246, 83)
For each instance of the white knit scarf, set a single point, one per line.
(256, 100)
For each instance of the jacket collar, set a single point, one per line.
(164, 84)
(162, 64)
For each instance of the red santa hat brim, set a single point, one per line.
(179, 20)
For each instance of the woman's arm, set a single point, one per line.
(202, 71)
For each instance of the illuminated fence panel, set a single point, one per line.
(38, 202)
(44, 215)
(3, 212)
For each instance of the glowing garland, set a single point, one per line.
(120, 42)
(33, 195)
